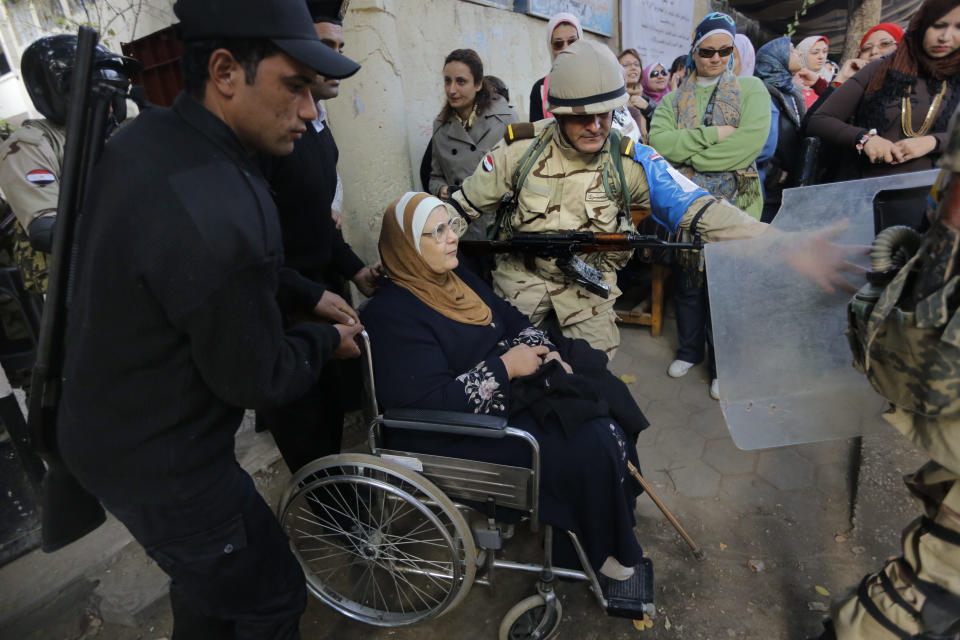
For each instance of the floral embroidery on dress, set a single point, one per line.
(532, 338)
(482, 389)
(621, 443)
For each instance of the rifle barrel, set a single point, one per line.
(573, 241)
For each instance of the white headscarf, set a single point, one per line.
(748, 56)
(420, 214)
(826, 71)
(558, 19)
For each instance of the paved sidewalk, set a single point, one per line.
(775, 524)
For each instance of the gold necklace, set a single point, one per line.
(906, 114)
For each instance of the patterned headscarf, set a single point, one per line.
(825, 72)
(714, 23)
(655, 96)
(445, 293)
(773, 64)
(748, 55)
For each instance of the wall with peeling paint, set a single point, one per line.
(383, 118)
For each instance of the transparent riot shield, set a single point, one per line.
(783, 361)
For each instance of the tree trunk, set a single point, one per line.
(861, 15)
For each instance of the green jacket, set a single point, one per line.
(701, 147)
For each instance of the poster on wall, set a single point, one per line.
(595, 15)
(657, 29)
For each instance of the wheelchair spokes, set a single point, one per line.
(375, 545)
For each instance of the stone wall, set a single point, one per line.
(383, 117)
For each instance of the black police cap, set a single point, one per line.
(286, 23)
(328, 10)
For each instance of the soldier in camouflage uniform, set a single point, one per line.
(905, 337)
(578, 182)
(30, 178)
(31, 157)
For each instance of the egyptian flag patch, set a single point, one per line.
(487, 162)
(40, 177)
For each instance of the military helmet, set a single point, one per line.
(586, 78)
(47, 64)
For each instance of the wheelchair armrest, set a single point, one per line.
(466, 424)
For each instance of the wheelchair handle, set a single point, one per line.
(466, 424)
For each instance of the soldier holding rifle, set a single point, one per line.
(575, 174)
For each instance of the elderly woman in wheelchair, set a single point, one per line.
(441, 340)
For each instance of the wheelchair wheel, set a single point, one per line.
(522, 620)
(378, 542)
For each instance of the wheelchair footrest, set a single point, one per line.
(626, 598)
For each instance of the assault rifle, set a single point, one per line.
(565, 245)
(68, 511)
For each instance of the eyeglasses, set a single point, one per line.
(559, 45)
(456, 224)
(883, 45)
(709, 53)
(663, 72)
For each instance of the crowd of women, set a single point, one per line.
(738, 120)
(730, 117)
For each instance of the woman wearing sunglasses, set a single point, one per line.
(655, 82)
(563, 30)
(441, 339)
(892, 116)
(712, 128)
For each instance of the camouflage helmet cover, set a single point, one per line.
(586, 79)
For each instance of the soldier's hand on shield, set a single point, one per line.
(335, 309)
(824, 262)
(348, 347)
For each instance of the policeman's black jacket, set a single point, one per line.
(304, 184)
(174, 326)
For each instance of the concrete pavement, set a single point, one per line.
(777, 526)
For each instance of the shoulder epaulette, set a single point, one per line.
(519, 131)
(626, 146)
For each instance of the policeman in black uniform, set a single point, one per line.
(304, 185)
(174, 327)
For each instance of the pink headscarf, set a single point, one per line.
(655, 96)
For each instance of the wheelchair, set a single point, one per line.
(384, 538)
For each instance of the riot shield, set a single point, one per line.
(783, 363)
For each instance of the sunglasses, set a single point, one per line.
(883, 45)
(456, 224)
(562, 44)
(662, 72)
(709, 53)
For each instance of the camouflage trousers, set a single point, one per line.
(11, 317)
(33, 265)
(599, 329)
(917, 594)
